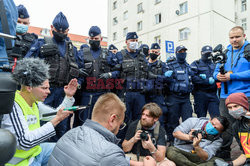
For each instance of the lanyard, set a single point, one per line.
(232, 58)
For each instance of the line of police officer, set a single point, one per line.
(136, 75)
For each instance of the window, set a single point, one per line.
(125, 15)
(125, 31)
(139, 8)
(158, 40)
(183, 33)
(139, 26)
(114, 36)
(45, 32)
(115, 21)
(243, 5)
(124, 1)
(157, 1)
(244, 23)
(183, 8)
(114, 5)
(158, 18)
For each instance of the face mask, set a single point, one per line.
(237, 114)
(210, 129)
(153, 56)
(21, 29)
(133, 45)
(206, 57)
(94, 44)
(59, 36)
(181, 57)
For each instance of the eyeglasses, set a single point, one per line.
(122, 126)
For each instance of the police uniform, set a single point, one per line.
(205, 89)
(24, 39)
(64, 65)
(134, 71)
(97, 63)
(178, 99)
(155, 85)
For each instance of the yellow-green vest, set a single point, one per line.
(22, 155)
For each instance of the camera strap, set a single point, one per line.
(5, 25)
(232, 58)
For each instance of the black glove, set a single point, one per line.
(152, 75)
(83, 72)
(105, 75)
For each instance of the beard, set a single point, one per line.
(146, 124)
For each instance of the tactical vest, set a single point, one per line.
(21, 157)
(134, 71)
(135, 68)
(208, 69)
(62, 69)
(95, 67)
(157, 70)
(182, 83)
(24, 42)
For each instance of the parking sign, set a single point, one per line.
(169, 46)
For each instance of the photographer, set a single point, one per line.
(196, 141)
(145, 137)
(237, 79)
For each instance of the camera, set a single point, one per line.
(219, 55)
(144, 135)
(202, 132)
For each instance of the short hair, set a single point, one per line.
(107, 104)
(154, 110)
(31, 72)
(236, 28)
(223, 120)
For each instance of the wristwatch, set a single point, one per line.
(154, 151)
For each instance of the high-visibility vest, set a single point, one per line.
(21, 157)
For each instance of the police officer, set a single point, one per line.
(205, 88)
(97, 64)
(157, 78)
(59, 52)
(144, 48)
(25, 39)
(134, 72)
(178, 99)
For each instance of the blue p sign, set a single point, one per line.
(169, 46)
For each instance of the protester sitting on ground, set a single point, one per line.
(238, 108)
(196, 141)
(95, 143)
(145, 137)
(24, 121)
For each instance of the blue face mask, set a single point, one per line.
(210, 129)
(21, 29)
(181, 57)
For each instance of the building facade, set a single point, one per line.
(192, 23)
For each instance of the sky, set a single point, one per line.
(81, 14)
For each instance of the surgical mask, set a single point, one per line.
(206, 56)
(133, 45)
(210, 129)
(59, 37)
(21, 28)
(181, 57)
(153, 56)
(94, 44)
(237, 114)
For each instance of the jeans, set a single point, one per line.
(43, 158)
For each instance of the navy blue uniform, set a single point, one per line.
(205, 97)
(178, 99)
(155, 88)
(57, 94)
